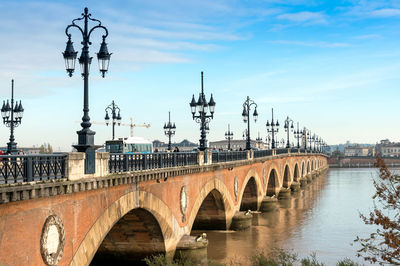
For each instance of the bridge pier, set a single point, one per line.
(295, 186)
(241, 221)
(268, 204)
(284, 193)
(193, 249)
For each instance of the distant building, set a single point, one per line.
(184, 145)
(357, 151)
(235, 144)
(388, 149)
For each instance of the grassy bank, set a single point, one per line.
(277, 257)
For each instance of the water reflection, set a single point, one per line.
(323, 217)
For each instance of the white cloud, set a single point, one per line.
(385, 12)
(305, 17)
(321, 44)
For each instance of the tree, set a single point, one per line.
(383, 246)
(45, 148)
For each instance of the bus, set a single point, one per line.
(129, 145)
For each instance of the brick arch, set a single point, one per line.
(287, 177)
(303, 166)
(273, 185)
(251, 175)
(296, 172)
(220, 187)
(308, 167)
(135, 236)
(118, 209)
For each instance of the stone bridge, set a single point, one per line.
(132, 215)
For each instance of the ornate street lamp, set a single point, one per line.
(116, 118)
(272, 128)
(298, 134)
(12, 116)
(86, 135)
(310, 139)
(169, 130)
(229, 136)
(288, 127)
(246, 117)
(202, 106)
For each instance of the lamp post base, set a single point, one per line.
(12, 147)
(86, 145)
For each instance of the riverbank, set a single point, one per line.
(360, 162)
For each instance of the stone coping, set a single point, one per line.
(39, 189)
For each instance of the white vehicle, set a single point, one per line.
(129, 145)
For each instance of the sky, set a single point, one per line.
(332, 66)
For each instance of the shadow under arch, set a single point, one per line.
(211, 215)
(257, 197)
(312, 165)
(134, 237)
(302, 168)
(249, 196)
(169, 226)
(273, 183)
(286, 177)
(296, 172)
(220, 193)
(308, 167)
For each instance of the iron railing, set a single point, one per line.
(26, 168)
(262, 153)
(144, 161)
(228, 156)
(281, 151)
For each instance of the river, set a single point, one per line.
(322, 218)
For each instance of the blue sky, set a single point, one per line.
(334, 66)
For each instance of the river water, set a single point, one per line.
(322, 218)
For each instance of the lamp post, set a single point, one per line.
(12, 116)
(229, 136)
(246, 117)
(116, 118)
(318, 143)
(271, 129)
(202, 118)
(298, 134)
(310, 139)
(86, 135)
(169, 130)
(244, 134)
(288, 128)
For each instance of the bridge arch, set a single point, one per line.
(134, 237)
(273, 182)
(308, 166)
(286, 177)
(302, 168)
(152, 207)
(216, 191)
(312, 165)
(296, 175)
(250, 191)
